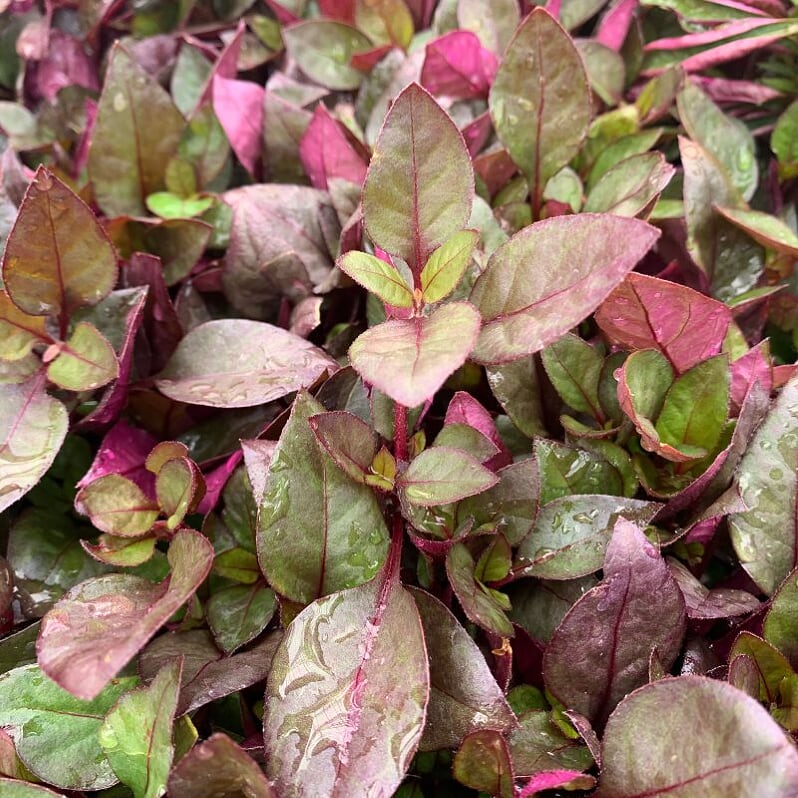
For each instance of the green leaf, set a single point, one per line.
(728, 139)
(319, 531)
(540, 745)
(565, 471)
(136, 734)
(447, 264)
(56, 734)
(772, 667)
(780, 627)
(784, 142)
(574, 368)
(237, 564)
(517, 389)
(483, 763)
(410, 359)
(540, 100)
(86, 361)
(102, 623)
(57, 257)
(19, 332)
(323, 50)
(769, 231)
(137, 132)
(179, 486)
(493, 21)
(125, 552)
(173, 206)
(560, 271)
(33, 426)
(377, 276)
(467, 439)
(21, 789)
(420, 183)
(385, 21)
(118, 506)
(239, 614)
(240, 363)
(764, 536)
(441, 475)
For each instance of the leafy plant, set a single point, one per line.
(398, 398)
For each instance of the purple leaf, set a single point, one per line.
(348, 440)
(409, 359)
(65, 64)
(646, 313)
(755, 366)
(238, 105)
(328, 152)
(540, 745)
(465, 409)
(458, 66)
(701, 602)
(366, 698)
(562, 269)
(600, 651)
(643, 756)
(99, 625)
(483, 763)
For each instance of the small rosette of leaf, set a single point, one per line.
(446, 265)
(379, 277)
(117, 506)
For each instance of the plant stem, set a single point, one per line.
(400, 431)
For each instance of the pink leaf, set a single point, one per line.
(458, 66)
(216, 480)
(464, 409)
(754, 366)
(65, 64)
(477, 132)
(728, 90)
(550, 779)
(226, 65)
(239, 106)
(366, 60)
(615, 24)
(327, 152)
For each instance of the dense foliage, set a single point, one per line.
(397, 397)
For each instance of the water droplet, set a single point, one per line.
(119, 102)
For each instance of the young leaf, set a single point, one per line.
(574, 368)
(420, 184)
(86, 361)
(639, 735)
(215, 767)
(66, 751)
(647, 313)
(239, 613)
(561, 270)
(446, 265)
(99, 625)
(538, 745)
(769, 231)
(464, 695)
(137, 132)
(483, 763)
(764, 536)
(348, 440)
(409, 359)
(136, 735)
(441, 475)
(367, 700)
(318, 530)
(117, 505)
(19, 332)
(377, 276)
(540, 100)
(33, 426)
(240, 363)
(599, 653)
(57, 257)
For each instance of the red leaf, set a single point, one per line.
(458, 66)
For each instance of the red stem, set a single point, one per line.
(400, 431)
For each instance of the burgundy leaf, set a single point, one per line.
(238, 105)
(65, 63)
(701, 602)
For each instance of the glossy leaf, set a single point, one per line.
(769, 231)
(755, 750)
(409, 359)
(19, 332)
(562, 270)
(378, 277)
(319, 531)
(441, 475)
(348, 440)
(239, 613)
(65, 752)
(216, 767)
(419, 186)
(648, 313)
(240, 363)
(446, 265)
(136, 735)
(57, 257)
(99, 625)
(701, 602)
(780, 627)
(129, 154)
(539, 745)
(366, 702)
(764, 536)
(32, 428)
(483, 763)
(571, 534)
(464, 695)
(566, 471)
(600, 651)
(116, 505)
(540, 100)
(86, 361)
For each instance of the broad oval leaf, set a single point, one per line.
(240, 363)
(351, 442)
(86, 361)
(420, 184)
(560, 270)
(379, 277)
(648, 313)
(239, 613)
(318, 530)
(33, 426)
(409, 359)
(571, 534)
(600, 651)
(11, 788)
(483, 763)
(764, 536)
(347, 694)
(780, 627)
(441, 475)
(18, 331)
(56, 734)
(137, 132)
(766, 229)
(540, 100)
(642, 755)
(464, 695)
(57, 257)
(118, 506)
(100, 624)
